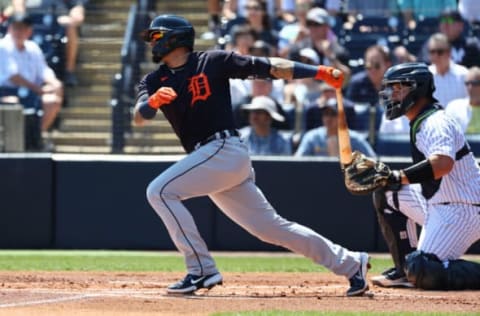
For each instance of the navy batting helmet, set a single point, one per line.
(416, 77)
(169, 32)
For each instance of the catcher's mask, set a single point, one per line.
(413, 76)
(168, 32)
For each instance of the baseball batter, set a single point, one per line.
(440, 191)
(192, 90)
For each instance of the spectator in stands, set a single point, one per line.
(470, 10)
(261, 87)
(237, 9)
(448, 76)
(260, 137)
(313, 111)
(323, 41)
(23, 65)
(464, 50)
(365, 85)
(214, 9)
(242, 38)
(467, 110)
(413, 10)
(70, 14)
(323, 141)
(296, 31)
(261, 22)
(402, 55)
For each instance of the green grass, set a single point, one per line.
(57, 260)
(144, 261)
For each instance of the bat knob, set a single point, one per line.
(336, 73)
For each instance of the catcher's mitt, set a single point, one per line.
(365, 175)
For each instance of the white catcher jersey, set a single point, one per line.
(440, 134)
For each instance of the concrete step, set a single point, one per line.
(116, 30)
(105, 126)
(104, 139)
(87, 113)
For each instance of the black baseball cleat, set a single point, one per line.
(358, 282)
(392, 278)
(191, 283)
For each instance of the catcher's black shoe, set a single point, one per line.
(191, 283)
(392, 278)
(358, 282)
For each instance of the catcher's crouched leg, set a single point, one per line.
(393, 225)
(427, 272)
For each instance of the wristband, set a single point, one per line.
(420, 172)
(146, 110)
(301, 70)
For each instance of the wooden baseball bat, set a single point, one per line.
(344, 146)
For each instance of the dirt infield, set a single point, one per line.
(104, 293)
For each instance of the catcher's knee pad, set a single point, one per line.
(425, 271)
(393, 225)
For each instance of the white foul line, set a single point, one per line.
(46, 301)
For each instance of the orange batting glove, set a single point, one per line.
(330, 75)
(162, 96)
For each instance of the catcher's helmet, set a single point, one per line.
(416, 77)
(169, 32)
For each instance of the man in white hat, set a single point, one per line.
(260, 137)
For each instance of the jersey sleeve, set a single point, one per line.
(439, 134)
(233, 65)
(142, 92)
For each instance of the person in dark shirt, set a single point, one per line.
(464, 49)
(191, 88)
(365, 85)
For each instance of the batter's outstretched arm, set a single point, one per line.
(281, 68)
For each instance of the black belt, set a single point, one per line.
(463, 151)
(448, 203)
(218, 135)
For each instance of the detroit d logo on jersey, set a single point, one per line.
(199, 88)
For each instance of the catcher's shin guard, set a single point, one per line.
(393, 225)
(427, 272)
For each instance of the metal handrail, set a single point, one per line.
(123, 83)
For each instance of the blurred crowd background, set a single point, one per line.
(73, 65)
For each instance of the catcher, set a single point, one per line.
(440, 191)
